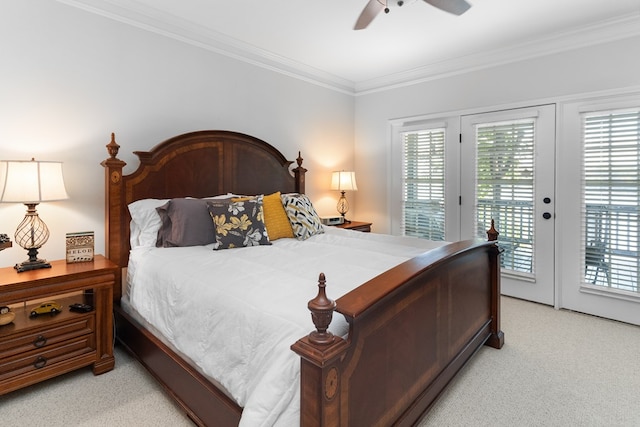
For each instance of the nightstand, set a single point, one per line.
(33, 349)
(357, 226)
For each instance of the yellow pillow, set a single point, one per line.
(275, 218)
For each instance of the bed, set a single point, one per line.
(379, 354)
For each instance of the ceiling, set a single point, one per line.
(315, 40)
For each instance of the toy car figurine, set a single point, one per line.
(50, 307)
(80, 308)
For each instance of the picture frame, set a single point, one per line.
(80, 246)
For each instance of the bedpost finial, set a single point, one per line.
(321, 309)
(113, 147)
(492, 233)
(299, 159)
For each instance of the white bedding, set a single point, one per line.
(236, 312)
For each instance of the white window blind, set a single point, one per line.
(611, 192)
(423, 184)
(505, 188)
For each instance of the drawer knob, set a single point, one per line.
(39, 341)
(40, 362)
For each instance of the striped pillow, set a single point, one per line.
(303, 217)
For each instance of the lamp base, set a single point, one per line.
(343, 207)
(32, 265)
(31, 234)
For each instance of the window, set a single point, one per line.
(505, 188)
(423, 184)
(611, 198)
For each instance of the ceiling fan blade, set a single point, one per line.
(370, 11)
(457, 7)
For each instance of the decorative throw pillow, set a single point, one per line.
(185, 222)
(303, 217)
(275, 218)
(238, 223)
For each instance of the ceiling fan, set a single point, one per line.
(374, 7)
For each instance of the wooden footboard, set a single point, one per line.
(411, 330)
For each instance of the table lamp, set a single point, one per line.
(343, 181)
(31, 182)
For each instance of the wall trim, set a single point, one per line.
(168, 25)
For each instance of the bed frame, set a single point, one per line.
(411, 330)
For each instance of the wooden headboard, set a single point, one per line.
(196, 164)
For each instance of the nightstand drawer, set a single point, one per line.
(42, 359)
(42, 338)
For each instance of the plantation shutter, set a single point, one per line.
(505, 188)
(423, 184)
(611, 192)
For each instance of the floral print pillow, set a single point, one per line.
(238, 223)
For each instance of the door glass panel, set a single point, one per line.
(505, 188)
(423, 184)
(611, 204)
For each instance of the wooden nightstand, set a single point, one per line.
(357, 226)
(33, 349)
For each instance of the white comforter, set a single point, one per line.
(236, 312)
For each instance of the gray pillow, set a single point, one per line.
(185, 222)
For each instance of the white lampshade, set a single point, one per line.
(31, 181)
(343, 181)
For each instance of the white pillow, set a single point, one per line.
(145, 221)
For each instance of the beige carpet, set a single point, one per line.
(557, 368)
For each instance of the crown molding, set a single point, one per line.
(149, 19)
(141, 16)
(602, 32)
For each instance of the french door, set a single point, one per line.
(507, 165)
(568, 211)
(599, 189)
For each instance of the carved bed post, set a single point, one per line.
(320, 372)
(492, 233)
(496, 340)
(321, 309)
(113, 193)
(299, 173)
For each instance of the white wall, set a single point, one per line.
(69, 78)
(606, 67)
